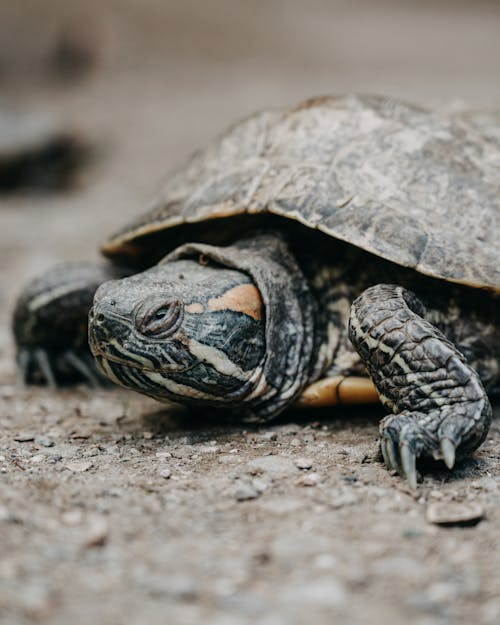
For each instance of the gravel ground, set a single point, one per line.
(117, 510)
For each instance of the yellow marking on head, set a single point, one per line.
(196, 307)
(243, 298)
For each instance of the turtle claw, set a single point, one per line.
(385, 453)
(390, 454)
(40, 366)
(82, 368)
(407, 436)
(409, 464)
(401, 459)
(23, 363)
(405, 441)
(448, 452)
(39, 361)
(43, 362)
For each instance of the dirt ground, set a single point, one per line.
(120, 511)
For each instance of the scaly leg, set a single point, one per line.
(438, 403)
(50, 325)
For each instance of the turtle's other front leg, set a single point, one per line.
(50, 324)
(439, 406)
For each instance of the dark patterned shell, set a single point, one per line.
(416, 187)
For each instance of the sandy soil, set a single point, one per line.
(116, 510)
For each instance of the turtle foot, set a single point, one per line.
(439, 406)
(50, 325)
(444, 435)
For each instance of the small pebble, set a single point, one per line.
(44, 441)
(304, 463)
(454, 513)
(165, 474)
(24, 438)
(37, 458)
(80, 435)
(53, 458)
(349, 478)
(79, 466)
(97, 535)
(246, 492)
(310, 479)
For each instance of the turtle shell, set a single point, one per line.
(416, 187)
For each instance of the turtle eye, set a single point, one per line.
(161, 320)
(161, 313)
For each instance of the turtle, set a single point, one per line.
(343, 249)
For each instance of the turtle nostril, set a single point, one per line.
(161, 320)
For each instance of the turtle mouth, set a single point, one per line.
(133, 361)
(102, 354)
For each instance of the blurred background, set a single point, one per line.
(145, 82)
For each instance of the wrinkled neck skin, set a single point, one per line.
(225, 327)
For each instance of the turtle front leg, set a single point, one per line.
(438, 403)
(50, 325)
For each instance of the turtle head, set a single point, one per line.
(188, 330)
(231, 327)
